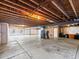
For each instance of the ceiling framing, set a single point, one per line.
(58, 11)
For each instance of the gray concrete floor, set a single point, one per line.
(32, 47)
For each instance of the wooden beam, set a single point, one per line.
(10, 11)
(27, 4)
(14, 18)
(34, 2)
(18, 9)
(49, 16)
(26, 19)
(55, 4)
(12, 7)
(47, 10)
(8, 14)
(9, 18)
(52, 13)
(20, 5)
(72, 5)
(36, 8)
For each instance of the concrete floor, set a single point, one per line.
(32, 47)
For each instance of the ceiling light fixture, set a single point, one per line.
(49, 20)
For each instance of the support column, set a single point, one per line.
(3, 33)
(56, 31)
(0, 34)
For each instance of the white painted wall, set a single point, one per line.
(53, 31)
(71, 30)
(14, 31)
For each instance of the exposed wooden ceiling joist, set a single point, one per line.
(10, 18)
(47, 10)
(14, 3)
(72, 5)
(13, 7)
(60, 9)
(13, 15)
(10, 11)
(20, 5)
(38, 9)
